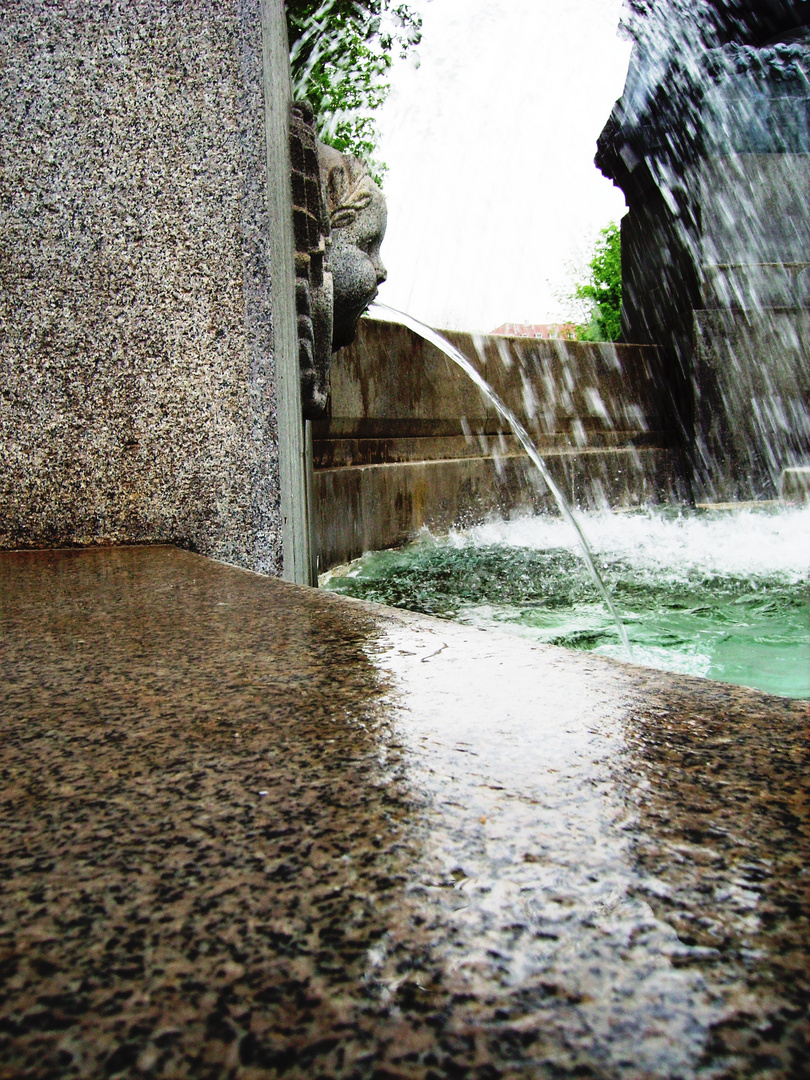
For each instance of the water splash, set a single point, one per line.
(672, 543)
(390, 314)
(709, 142)
(722, 595)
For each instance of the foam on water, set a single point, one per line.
(746, 542)
(715, 594)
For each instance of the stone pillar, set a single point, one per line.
(710, 143)
(752, 329)
(139, 313)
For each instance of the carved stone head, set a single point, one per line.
(357, 218)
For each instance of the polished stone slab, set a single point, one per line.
(249, 829)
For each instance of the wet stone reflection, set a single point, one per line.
(723, 850)
(609, 889)
(254, 830)
(201, 833)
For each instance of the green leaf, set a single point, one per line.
(603, 288)
(340, 54)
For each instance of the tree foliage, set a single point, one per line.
(340, 54)
(603, 289)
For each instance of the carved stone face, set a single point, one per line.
(358, 218)
(356, 266)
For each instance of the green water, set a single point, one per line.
(743, 618)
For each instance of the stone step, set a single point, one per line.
(794, 484)
(369, 507)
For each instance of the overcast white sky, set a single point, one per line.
(492, 192)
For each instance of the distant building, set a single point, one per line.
(537, 330)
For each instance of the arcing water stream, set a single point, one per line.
(719, 594)
(382, 311)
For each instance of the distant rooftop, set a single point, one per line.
(536, 330)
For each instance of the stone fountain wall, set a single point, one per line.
(751, 332)
(135, 296)
(710, 143)
(410, 441)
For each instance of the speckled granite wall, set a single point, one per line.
(135, 319)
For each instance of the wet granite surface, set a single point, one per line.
(253, 830)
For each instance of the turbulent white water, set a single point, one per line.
(745, 543)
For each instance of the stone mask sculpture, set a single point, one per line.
(339, 218)
(357, 217)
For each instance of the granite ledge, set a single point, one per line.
(253, 830)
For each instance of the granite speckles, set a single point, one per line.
(137, 365)
(252, 830)
(191, 836)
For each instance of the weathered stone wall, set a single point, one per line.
(391, 383)
(753, 399)
(711, 147)
(410, 440)
(135, 305)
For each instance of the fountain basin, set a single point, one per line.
(720, 594)
(254, 828)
